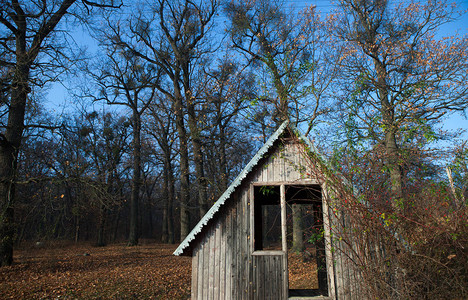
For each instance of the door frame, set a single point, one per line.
(284, 251)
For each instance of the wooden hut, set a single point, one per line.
(240, 247)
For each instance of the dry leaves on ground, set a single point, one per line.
(85, 272)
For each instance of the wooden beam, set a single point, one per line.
(284, 241)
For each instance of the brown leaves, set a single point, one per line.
(302, 272)
(113, 272)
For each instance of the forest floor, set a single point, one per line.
(147, 271)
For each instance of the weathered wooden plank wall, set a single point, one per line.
(223, 264)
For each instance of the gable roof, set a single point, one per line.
(237, 182)
(184, 245)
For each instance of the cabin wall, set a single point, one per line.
(223, 265)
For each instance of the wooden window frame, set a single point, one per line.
(284, 246)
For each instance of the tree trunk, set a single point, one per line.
(101, 241)
(298, 231)
(396, 173)
(198, 158)
(184, 165)
(168, 221)
(165, 221)
(388, 119)
(136, 180)
(10, 143)
(223, 159)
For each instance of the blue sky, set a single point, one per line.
(59, 100)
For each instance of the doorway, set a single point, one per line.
(289, 218)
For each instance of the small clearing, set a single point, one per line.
(149, 271)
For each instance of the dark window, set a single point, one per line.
(267, 235)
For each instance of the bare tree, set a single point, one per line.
(291, 49)
(173, 38)
(127, 80)
(27, 32)
(162, 128)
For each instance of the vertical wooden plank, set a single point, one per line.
(205, 269)
(328, 242)
(233, 253)
(276, 174)
(247, 247)
(268, 169)
(279, 283)
(275, 273)
(222, 257)
(229, 249)
(267, 277)
(272, 276)
(285, 275)
(262, 170)
(260, 276)
(254, 260)
(207, 264)
(236, 252)
(245, 244)
(254, 289)
(194, 289)
(217, 258)
(200, 271)
(280, 169)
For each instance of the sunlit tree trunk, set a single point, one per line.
(298, 231)
(390, 129)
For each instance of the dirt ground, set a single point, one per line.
(85, 272)
(148, 271)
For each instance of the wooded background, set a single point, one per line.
(179, 94)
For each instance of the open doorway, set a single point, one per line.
(296, 228)
(305, 240)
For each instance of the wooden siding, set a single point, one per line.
(223, 263)
(223, 266)
(288, 163)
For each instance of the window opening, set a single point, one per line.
(267, 218)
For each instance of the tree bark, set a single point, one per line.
(184, 165)
(9, 148)
(136, 180)
(101, 241)
(223, 159)
(198, 158)
(388, 119)
(10, 141)
(168, 221)
(298, 231)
